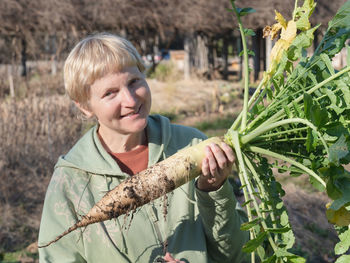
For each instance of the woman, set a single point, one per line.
(104, 77)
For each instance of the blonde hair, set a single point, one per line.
(94, 57)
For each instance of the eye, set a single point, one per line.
(109, 93)
(133, 81)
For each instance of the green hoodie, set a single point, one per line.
(196, 227)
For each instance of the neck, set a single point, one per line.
(119, 143)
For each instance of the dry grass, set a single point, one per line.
(194, 98)
(33, 133)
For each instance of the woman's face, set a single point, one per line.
(121, 102)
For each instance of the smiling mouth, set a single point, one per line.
(132, 113)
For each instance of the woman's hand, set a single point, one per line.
(169, 258)
(216, 167)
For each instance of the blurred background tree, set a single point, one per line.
(47, 29)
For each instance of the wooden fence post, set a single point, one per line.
(10, 79)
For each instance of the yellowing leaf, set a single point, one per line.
(266, 31)
(290, 32)
(288, 28)
(272, 31)
(280, 19)
(275, 30)
(277, 50)
(340, 217)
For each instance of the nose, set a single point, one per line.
(129, 98)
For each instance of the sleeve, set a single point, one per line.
(222, 217)
(58, 215)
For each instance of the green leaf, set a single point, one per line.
(288, 237)
(337, 33)
(344, 243)
(307, 105)
(278, 230)
(249, 32)
(281, 68)
(312, 77)
(311, 140)
(289, 257)
(269, 93)
(251, 52)
(296, 259)
(245, 11)
(302, 40)
(337, 109)
(344, 186)
(287, 111)
(343, 259)
(270, 259)
(261, 252)
(319, 116)
(248, 225)
(304, 13)
(247, 202)
(307, 8)
(332, 190)
(298, 110)
(257, 108)
(338, 150)
(332, 174)
(328, 63)
(342, 17)
(331, 95)
(346, 91)
(252, 244)
(303, 22)
(336, 129)
(315, 183)
(327, 108)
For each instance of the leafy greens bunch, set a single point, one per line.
(298, 122)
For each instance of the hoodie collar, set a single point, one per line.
(88, 153)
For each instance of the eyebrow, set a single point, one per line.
(133, 75)
(130, 77)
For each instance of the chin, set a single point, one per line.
(138, 126)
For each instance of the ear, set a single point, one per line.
(84, 109)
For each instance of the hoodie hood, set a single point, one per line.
(89, 155)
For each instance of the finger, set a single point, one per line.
(219, 155)
(211, 161)
(168, 257)
(205, 167)
(228, 152)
